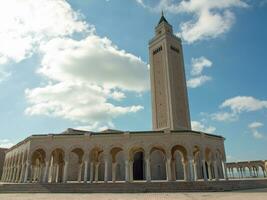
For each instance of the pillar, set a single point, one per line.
(45, 176)
(215, 170)
(191, 170)
(79, 178)
(65, 172)
(148, 172)
(106, 170)
(26, 172)
(92, 165)
(96, 171)
(113, 171)
(195, 172)
(209, 171)
(127, 174)
(131, 171)
(85, 175)
(186, 167)
(225, 173)
(204, 170)
(168, 169)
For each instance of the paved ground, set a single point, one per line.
(260, 194)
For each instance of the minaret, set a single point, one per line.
(170, 107)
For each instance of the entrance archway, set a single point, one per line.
(138, 166)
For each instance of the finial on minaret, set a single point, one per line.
(162, 19)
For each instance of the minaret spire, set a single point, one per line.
(162, 18)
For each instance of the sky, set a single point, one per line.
(84, 64)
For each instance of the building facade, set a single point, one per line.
(171, 152)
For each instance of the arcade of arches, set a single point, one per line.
(116, 163)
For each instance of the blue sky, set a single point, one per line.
(84, 64)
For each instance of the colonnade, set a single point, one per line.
(241, 172)
(115, 164)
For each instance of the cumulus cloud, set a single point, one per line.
(254, 126)
(198, 65)
(93, 60)
(224, 116)
(238, 105)
(198, 81)
(244, 104)
(210, 18)
(198, 126)
(26, 24)
(5, 143)
(85, 78)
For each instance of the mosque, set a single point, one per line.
(171, 152)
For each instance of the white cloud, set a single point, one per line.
(198, 65)
(238, 105)
(198, 126)
(85, 75)
(96, 126)
(25, 24)
(210, 18)
(198, 81)
(75, 101)
(5, 143)
(86, 78)
(254, 126)
(224, 116)
(244, 104)
(93, 60)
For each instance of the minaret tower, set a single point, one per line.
(170, 107)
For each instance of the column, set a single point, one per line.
(96, 172)
(26, 172)
(185, 167)
(204, 170)
(127, 174)
(191, 170)
(225, 173)
(114, 165)
(195, 172)
(209, 171)
(85, 175)
(106, 170)
(18, 173)
(91, 172)
(45, 176)
(79, 178)
(215, 170)
(131, 171)
(148, 172)
(250, 172)
(65, 172)
(168, 169)
(242, 172)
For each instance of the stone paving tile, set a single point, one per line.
(244, 195)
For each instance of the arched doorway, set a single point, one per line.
(56, 166)
(157, 164)
(179, 163)
(118, 166)
(38, 160)
(138, 166)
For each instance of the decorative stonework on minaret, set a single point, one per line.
(170, 107)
